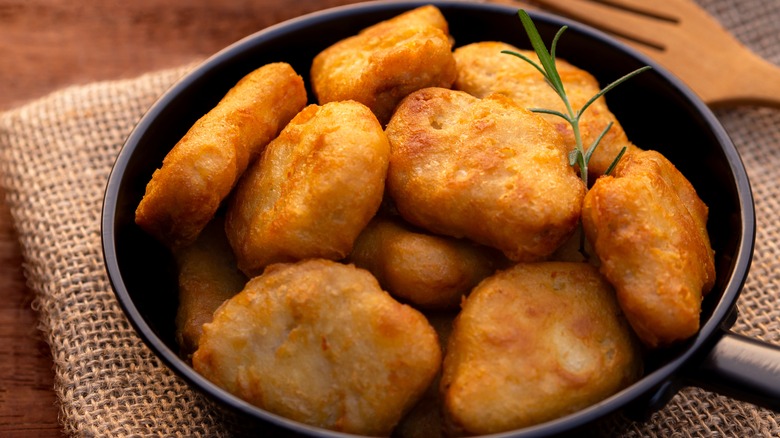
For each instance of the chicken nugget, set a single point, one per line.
(428, 271)
(648, 229)
(483, 69)
(485, 169)
(387, 61)
(533, 343)
(314, 189)
(320, 343)
(202, 168)
(208, 276)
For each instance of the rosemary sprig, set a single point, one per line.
(579, 156)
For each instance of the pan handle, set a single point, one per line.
(742, 368)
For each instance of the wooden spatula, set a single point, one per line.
(686, 40)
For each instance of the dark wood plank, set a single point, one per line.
(48, 44)
(27, 401)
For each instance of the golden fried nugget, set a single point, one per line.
(483, 69)
(534, 343)
(428, 271)
(314, 189)
(485, 169)
(202, 168)
(387, 61)
(648, 229)
(208, 276)
(319, 342)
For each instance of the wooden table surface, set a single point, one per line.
(46, 45)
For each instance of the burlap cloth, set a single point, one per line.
(56, 154)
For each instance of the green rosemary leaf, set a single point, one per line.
(611, 86)
(615, 161)
(549, 111)
(555, 44)
(541, 51)
(596, 142)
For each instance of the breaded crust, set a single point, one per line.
(202, 168)
(534, 343)
(485, 169)
(313, 190)
(483, 69)
(426, 270)
(319, 342)
(648, 229)
(387, 61)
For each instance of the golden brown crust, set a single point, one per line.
(208, 276)
(534, 343)
(428, 271)
(483, 69)
(648, 228)
(319, 342)
(485, 169)
(314, 189)
(202, 168)
(387, 61)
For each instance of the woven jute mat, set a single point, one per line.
(55, 157)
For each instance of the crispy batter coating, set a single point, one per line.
(202, 168)
(485, 169)
(387, 61)
(426, 270)
(208, 276)
(649, 231)
(534, 343)
(319, 342)
(314, 189)
(483, 69)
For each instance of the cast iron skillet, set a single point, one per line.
(656, 110)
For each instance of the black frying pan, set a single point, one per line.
(655, 109)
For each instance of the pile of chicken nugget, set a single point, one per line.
(403, 257)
